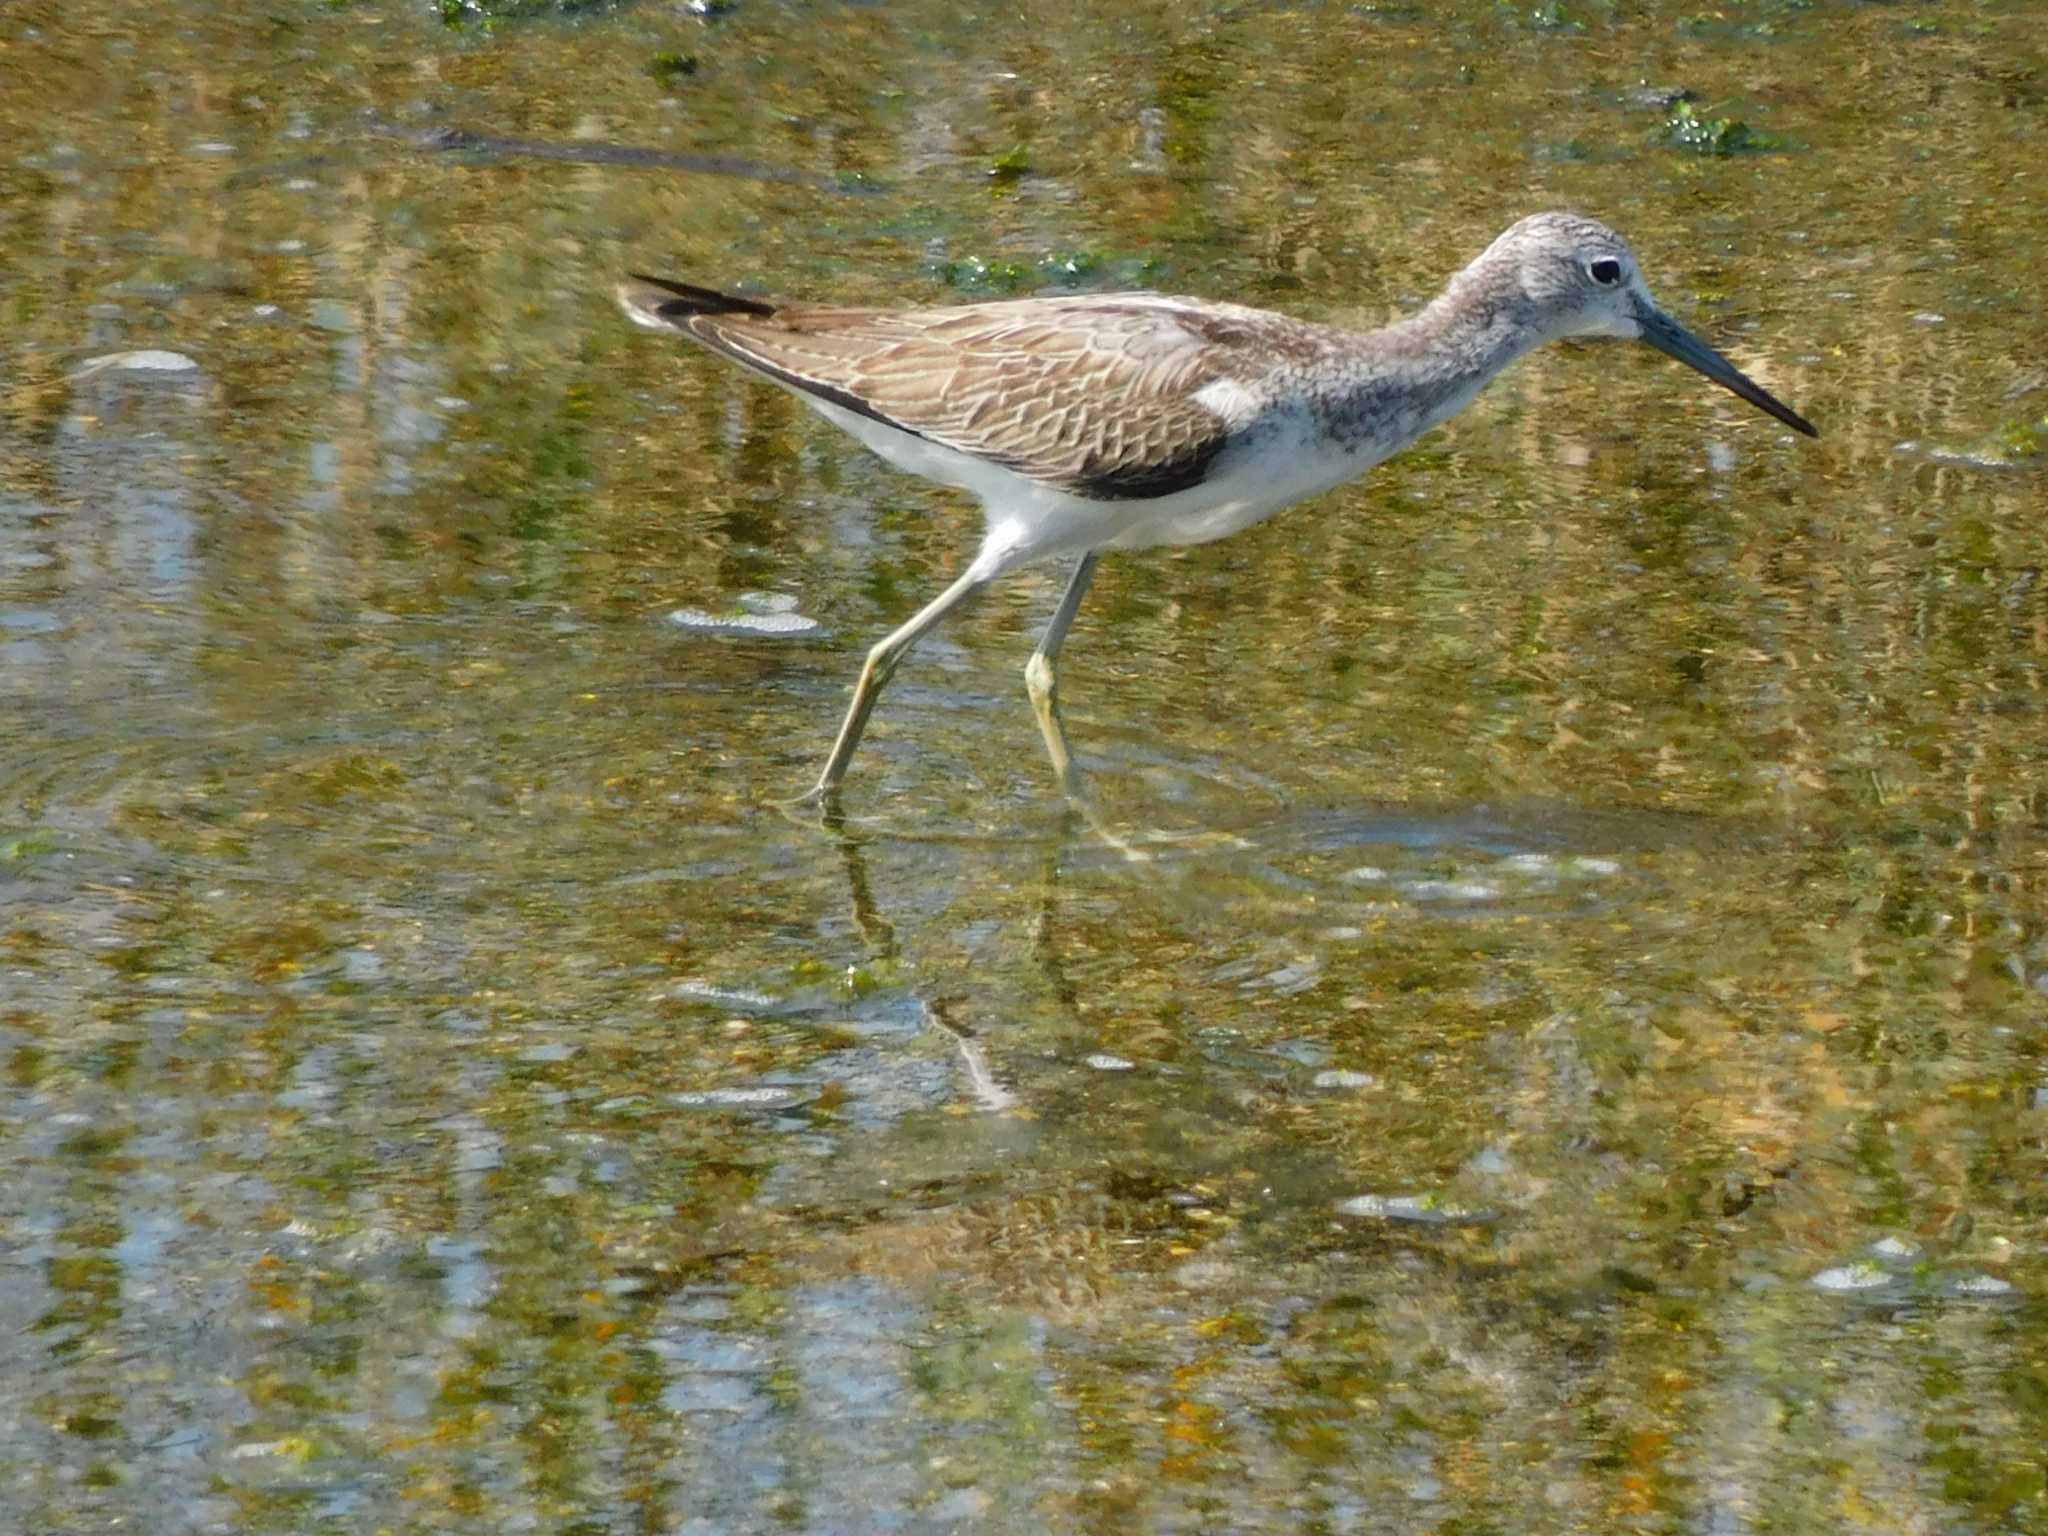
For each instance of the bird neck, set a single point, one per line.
(1424, 369)
(1476, 327)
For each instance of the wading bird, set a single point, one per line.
(1114, 421)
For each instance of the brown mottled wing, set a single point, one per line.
(1094, 395)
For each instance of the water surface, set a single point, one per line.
(1575, 1060)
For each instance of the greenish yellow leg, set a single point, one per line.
(1042, 682)
(881, 665)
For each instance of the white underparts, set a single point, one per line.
(1281, 462)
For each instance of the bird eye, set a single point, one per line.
(1606, 271)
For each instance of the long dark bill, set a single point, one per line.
(1673, 339)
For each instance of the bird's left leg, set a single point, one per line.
(883, 659)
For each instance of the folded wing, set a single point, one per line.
(1110, 397)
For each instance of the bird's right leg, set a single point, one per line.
(1041, 679)
(881, 666)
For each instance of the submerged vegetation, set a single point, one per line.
(1054, 269)
(1687, 129)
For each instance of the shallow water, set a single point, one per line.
(1574, 1059)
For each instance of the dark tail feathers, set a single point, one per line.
(662, 299)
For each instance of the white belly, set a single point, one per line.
(1245, 486)
(1028, 520)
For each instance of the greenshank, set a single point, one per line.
(1114, 421)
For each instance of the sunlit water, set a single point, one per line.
(1571, 1057)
